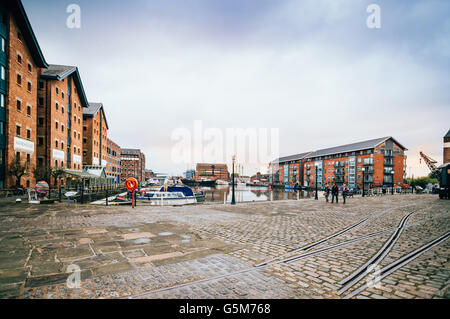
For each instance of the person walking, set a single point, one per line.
(344, 192)
(327, 192)
(334, 193)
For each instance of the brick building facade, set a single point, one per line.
(46, 120)
(446, 157)
(133, 164)
(378, 162)
(61, 100)
(95, 135)
(211, 171)
(113, 162)
(20, 62)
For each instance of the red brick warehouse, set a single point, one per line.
(20, 62)
(113, 162)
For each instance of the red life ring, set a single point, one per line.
(131, 183)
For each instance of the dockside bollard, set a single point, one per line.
(60, 194)
(106, 196)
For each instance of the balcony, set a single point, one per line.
(388, 162)
(368, 179)
(389, 153)
(339, 179)
(368, 162)
(369, 170)
(339, 164)
(388, 179)
(339, 172)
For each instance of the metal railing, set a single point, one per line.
(79, 194)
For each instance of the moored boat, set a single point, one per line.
(166, 199)
(207, 182)
(221, 182)
(189, 182)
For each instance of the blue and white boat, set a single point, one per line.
(169, 196)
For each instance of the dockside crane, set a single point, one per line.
(431, 163)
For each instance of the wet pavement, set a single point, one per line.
(210, 251)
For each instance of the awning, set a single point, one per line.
(79, 174)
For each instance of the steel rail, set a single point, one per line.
(287, 260)
(366, 268)
(399, 263)
(329, 237)
(309, 246)
(253, 268)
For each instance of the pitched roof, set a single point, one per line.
(364, 145)
(24, 24)
(290, 158)
(93, 109)
(448, 134)
(60, 72)
(349, 147)
(130, 151)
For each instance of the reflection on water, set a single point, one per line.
(221, 193)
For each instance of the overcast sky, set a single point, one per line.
(310, 68)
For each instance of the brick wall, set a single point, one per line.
(25, 118)
(113, 167)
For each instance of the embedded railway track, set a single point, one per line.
(399, 263)
(380, 255)
(368, 267)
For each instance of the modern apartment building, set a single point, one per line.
(61, 101)
(287, 170)
(113, 162)
(133, 164)
(20, 62)
(95, 135)
(377, 162)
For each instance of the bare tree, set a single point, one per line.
(17, 170)
(56, 174)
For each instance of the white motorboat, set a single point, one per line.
(221, 182)
(166, 199)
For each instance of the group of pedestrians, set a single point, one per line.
(334, 190)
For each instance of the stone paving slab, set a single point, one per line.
(124, 252)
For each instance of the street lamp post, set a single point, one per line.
(233, 202)
(392, 181)
(363, 190)
(316, 197)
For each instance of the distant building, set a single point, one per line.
(447, 147)
(113, 162)
(149, 174)
(133, 164)
(95, 135)
(377, 162)
(189, 174)
(259, 178)
(212, 171)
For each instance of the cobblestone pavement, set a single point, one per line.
(210, 251)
